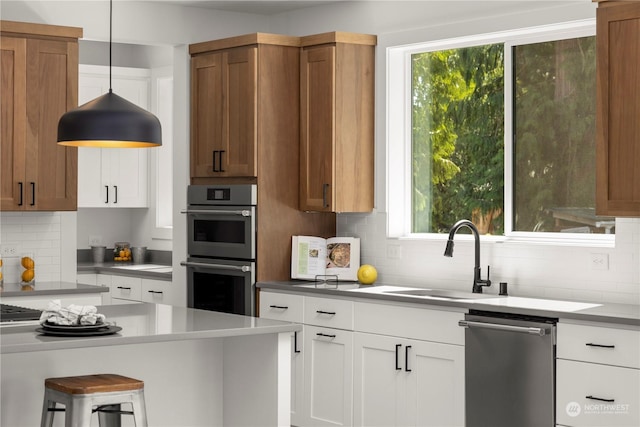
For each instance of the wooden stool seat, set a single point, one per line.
(102, 393)
(87, 384)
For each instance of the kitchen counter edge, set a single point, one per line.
(619, 314)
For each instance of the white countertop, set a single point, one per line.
(145, 323)
(628, 314)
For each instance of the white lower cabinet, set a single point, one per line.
(370, 364)
(328, 369)
(401, 382)
(597, 376)
(128, 289)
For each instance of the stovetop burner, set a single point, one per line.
(12, 313)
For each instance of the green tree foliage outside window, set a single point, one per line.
(457, 138)
(458, 135)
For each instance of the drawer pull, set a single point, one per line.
(281, 307)
(590, 344)
(600, 399)
(331, 313)
(124, 288)
(155, 292)
(320, 334)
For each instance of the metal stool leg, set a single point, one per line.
(78, 413)
(110, 419)
(139, 409)
(47, 416)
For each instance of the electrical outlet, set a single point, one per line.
(394, 251)
(599, 261)
(95, 240)
(9, 250)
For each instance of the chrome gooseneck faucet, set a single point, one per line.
(478, 283)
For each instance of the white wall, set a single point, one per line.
(562, 272)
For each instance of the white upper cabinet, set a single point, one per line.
(113, 177)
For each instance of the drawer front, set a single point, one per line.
(610, 346)
(124, 287)
(580, 385)
(277, 306)
(410, 322)
(156, 291)
(328, 312)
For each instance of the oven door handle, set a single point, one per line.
(243, 212)
(243, 268)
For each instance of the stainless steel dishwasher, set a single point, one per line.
(510, 370)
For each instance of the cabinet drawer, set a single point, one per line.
(409, 322)
(610, 346)
(286, 307)
(156, 291)
(619, 387)
(328, 312)
(124, 287)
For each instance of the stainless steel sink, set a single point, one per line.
(440, 293)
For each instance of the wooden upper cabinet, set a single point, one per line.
(337, 122)
(618, 115)
(224, 102)
(39, 78)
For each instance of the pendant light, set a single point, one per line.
(109, 120)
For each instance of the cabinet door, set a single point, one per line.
(51, 170)
(223, 117)
(328, 370)
(113, 177)
(618, 103)
(317, 127)
(435, 386)
(378, 380)
(13, 113)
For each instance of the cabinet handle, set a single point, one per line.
(590, 344)
(214, 161)
(221, 170)
(21, 195)
(155, 292)
(124, 288)
(281, 307)
(398, 368)
(331, 313)
(406, 359)
(115, 187)
(600, 399)
(325, 190)
(295, 342)
(320, 334)
(33, 194)
(106, 187)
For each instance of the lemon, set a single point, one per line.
(27, 262)
(367, 274)
(28, 275)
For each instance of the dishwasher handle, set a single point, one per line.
(499, 327)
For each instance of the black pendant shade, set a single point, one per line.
(109, 121)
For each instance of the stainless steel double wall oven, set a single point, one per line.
(221, 232)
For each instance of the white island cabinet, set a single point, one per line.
(200, 368)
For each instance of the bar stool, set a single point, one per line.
(83, 395)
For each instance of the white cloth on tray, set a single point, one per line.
(71, 315)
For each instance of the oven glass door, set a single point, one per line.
(221, 285)
(221, 232)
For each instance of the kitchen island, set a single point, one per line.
(200, 368)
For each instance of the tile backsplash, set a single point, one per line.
(35, 233)
(531, 270)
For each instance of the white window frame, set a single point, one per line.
(398, 138)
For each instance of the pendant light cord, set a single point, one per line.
(110, 40)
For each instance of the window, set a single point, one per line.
(498, 129)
